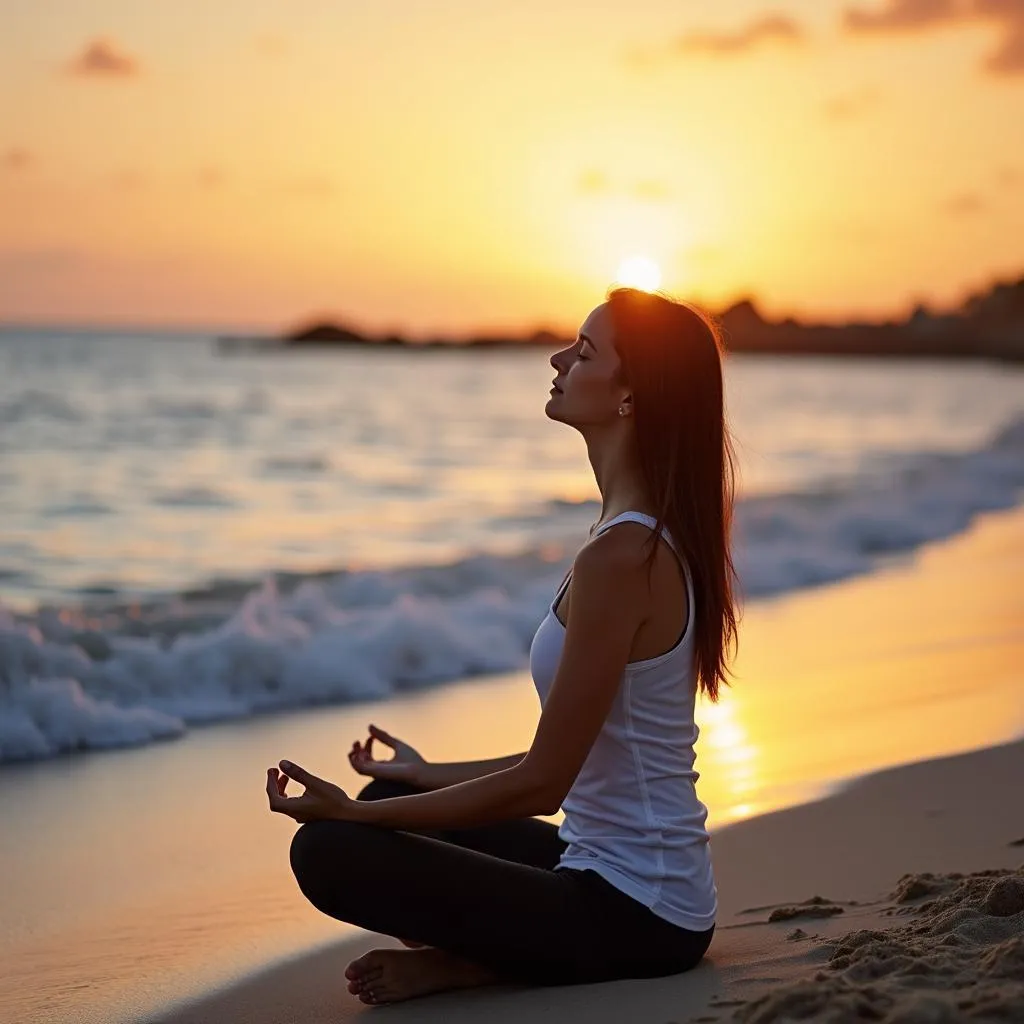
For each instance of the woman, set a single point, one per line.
(450, 856)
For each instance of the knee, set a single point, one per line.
(308, 853)
(321, 855)
(383, 789)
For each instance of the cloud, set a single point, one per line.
(901, 15)
(851, 105)
(966, 204)
(918, 15)
(103, 58)
(17, 159)
(776, 27)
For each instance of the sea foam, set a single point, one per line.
(78, 679)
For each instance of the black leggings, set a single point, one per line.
(488, 894)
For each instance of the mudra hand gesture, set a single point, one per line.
(322, 800)
(406, 765)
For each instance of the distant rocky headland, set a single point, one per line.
(988, 325)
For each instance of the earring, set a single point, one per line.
(622, 410)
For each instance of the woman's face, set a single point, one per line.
(587, 389)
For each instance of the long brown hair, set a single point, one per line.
(671, 356)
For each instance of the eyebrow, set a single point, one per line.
(586, 338)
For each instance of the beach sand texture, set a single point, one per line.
(899, 897)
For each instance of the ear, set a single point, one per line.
(626, 405)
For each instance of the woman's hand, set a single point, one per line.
(405, 766)
(322, 800)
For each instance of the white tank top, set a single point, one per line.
(632, 814)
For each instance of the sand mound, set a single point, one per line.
(960, 957)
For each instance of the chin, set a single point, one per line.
(553, 414)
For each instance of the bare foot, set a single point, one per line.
(391, 975)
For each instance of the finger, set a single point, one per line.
(282, 783)
(272, 792)
(381, 735)
(300, 775)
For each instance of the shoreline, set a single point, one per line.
(945, 815)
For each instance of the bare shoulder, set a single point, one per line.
(618, 557)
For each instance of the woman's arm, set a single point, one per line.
(437, 775)
(497, 796)
(515, 792)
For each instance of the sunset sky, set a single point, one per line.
(458, 165)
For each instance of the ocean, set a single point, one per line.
(193, 535)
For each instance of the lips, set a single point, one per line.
(556, 387)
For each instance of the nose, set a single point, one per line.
(558, 360)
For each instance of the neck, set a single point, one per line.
(617, 472)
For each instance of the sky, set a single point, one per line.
(431, 166)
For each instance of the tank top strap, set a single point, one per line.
(636, 517)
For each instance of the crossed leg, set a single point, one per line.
(388, 975)
(522, 840)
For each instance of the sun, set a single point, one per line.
(639, 272)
